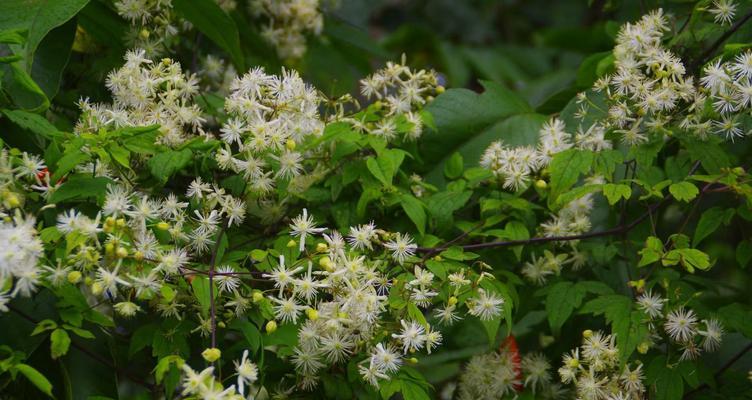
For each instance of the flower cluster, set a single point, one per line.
(681, 325)
(154, 27)
(147, 93)
(503, 374)
(22, 250)
(595, 370)
(289, 21)
(516, 166)
(269, 116)
(400, 93)
(204, 385)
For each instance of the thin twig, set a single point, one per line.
(92, 355)
(721, 370)
(710, 50)
(212, 264)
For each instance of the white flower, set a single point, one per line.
(412, 336)
(680, 325)
(302, 226)
(110, 280)
(402, 247)
(226, 279)
(386, 358)
(247, 372)
(711, 336)
(307, 361)
(116, 201)
(361, 237)
(486, 306)
(171, 262)
(651, 304)
(724, 11)
(281, 275)
(287, 310)
(194, 383)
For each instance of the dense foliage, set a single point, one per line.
(229, 199)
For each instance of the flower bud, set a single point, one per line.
(292, 243)
(120, 222)
(121, 252)
(221, 324)
(322, 247)
(74, 277)
(587, 333)
(163, 226)
(312, 314)
(144, 34)
(541, 184)
(109, 248)
(643, 347)
(12, 200)
(290, 144)
(88, 281)
(452, 301)
(440, 89)
(271, 326)
(96, 288)
(326, 263)
(412, 360)
(138, 255)
(257, 296)
(211, 354)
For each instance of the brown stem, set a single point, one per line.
(721, 370)
(710, 50)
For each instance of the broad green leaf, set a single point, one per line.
(709, 221)
(208, 17)
(562, 299)
(666, 380)
(32, 122)
(652, 252)
(566, 168)
(59, 343)
(81, 187)
(461, 114)
(744, 253)
(616, 192)
(375, 170)
(250, 332)
(200, 285)
(414, 210)
(22, 89)
(709, 153)
(684, 191)
(69, 161)
(454, 166)
(52, 56)
(689, 259)
(38, 17)
(164, 165)
(36, 378)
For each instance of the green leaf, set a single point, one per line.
(414, 210)
(200, 285)
(652, 252)
(142, 337)
(36, 378)
(165, 164)
(43, 326)
(69, 161)
(710, 154)
(32, 122)
(52, 56)
(684, 191)
(667, 381)
(250, 332)
(562, 299)
(22, 89)
(462, 115)
(81, 187)
(566, 168)
(375, 170)
(744, 253)
(710, 220)
(615, 192)
(38, 17)
(689, 259)
(454, 166)
(442, 205)
(209, 18)
(59, 343)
